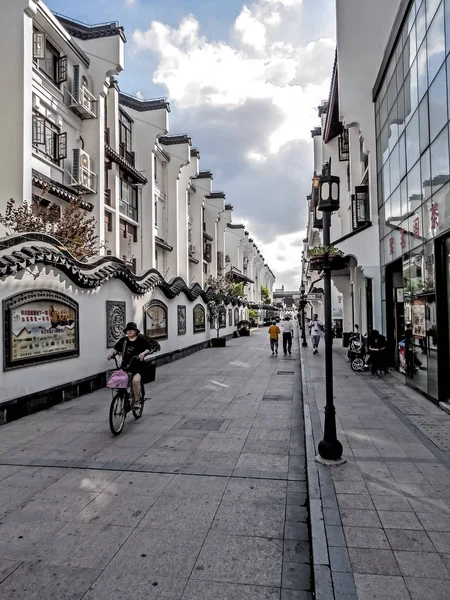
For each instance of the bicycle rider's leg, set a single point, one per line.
(136, 389)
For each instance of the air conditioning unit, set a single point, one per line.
(192, 249)
(82, 100)
(81, 170)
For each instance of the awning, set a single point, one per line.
(162, 244)
(57, 189)
(240, 277)
(125, 165)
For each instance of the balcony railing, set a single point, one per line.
(128, 156)
(128, 211)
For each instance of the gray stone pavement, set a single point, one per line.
(202, 498)
(380, 522)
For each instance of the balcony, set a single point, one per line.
(128, 211)
(128, 156)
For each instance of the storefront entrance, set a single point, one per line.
(395, 322)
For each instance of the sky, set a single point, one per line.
(244, 80)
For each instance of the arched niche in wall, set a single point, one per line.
(40, 326)
(156, 320)
(199, 318)
(236, 315)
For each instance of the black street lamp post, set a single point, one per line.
(303, 303)
(330, 448)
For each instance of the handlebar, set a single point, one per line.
(146, 358)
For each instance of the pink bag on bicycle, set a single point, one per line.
(118, 380)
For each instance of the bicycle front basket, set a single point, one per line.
(118, 380)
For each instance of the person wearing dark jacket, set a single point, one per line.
(377, 347)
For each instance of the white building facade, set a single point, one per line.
(163, 230)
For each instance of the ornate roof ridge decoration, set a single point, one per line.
(83, 31)
(316, 132)
(204, 175)
(57, 189)
(195, 152)
(126, 166)
(18, 252)
(143, 105)
(228, 207)
(214, 195)
(171, 140)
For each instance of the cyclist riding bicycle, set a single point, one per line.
(130, 346)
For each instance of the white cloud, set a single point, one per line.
(249, 101)
(130, 2)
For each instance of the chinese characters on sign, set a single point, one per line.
(416, 228)
(42, 328)
(391, 246)
(418, 318)
(403, 238)
(434, 216)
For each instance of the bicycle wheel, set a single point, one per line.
(137, 412)
(117, 413)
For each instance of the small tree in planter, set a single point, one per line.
(220, 287)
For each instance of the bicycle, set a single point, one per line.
(122, 402)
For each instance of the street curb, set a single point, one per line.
(323, 585)
(333, 576)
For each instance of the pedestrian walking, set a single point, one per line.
(274, 332)
(315, 331)
(377, 347)
(288, 335)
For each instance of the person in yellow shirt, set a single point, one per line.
(274, 332)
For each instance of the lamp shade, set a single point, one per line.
(329, 193)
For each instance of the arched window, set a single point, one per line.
(155, 320)
(199, 318)
(236, 316)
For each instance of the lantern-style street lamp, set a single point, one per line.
(330, 448)
(303, 303)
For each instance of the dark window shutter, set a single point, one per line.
(38, 45)
(62, 146)
(38, 130)
(62, 69)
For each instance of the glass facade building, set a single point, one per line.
(412, 110)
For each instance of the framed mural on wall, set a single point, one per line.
(181, 319)
(222, 318)
(40, 326)
(230, 317)
(116, 318)
(199, 319)
(155, 320)
(236, 316)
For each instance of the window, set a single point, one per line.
(108, 221)
(48, 58)
(156, 211)
(360, 207)
(155, 165)
(125, 132)
(128, 199)
(47, 139)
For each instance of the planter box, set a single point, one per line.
(218, 342)
(318, 263)
(244, 332)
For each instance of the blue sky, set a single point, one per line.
(244, 80)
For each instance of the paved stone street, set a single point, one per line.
(203, 498)
(381, 522)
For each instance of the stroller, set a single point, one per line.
(357, 352)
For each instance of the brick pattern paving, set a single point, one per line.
(204, 497)
(387, 510)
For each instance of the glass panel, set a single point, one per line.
(401, 115)
(425, 168)
(394, 163)
(393, 127)
(430, 346)
(440, 161)
(411, 91)
(392, 92)
(448, 81)
(422, 70)
(436, 44)
(442, 206)
(400, 72)
(421, 24)
(438, 103)
(412, 140)
(423, 124)
(384, 143)
(396, 212)
(383, 112)
(414, 187)
(447, 26)
(431, 9)
(404, 197)
(386, 181)
(402, 156)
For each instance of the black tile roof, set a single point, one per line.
(171, 140)
(143, 105)
(204, 175)
(83, 31)
(214, 195)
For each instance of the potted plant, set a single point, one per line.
(244, 328)
(323, 256)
